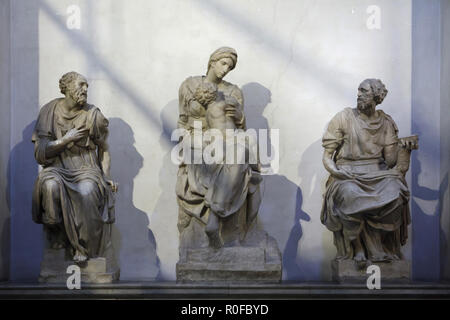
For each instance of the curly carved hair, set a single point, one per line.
(205, 93)
(378, 89)
(66, 80)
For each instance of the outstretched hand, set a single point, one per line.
(114, 185)
(410, 143)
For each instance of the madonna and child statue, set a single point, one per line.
(218, 201)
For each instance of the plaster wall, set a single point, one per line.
(445, 138)
(5, 102)
(300, 62)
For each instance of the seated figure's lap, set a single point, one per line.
(87, 187)
(390, 185)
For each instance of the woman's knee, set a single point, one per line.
(51, 187)
(87, 187)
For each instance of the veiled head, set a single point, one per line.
(222, 61)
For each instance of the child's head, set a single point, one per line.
(205, 93)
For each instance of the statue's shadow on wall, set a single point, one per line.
(26, 236)
(425, 245)
(133, 240)
(281, 198)
(165, 212)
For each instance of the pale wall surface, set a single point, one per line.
(431, 120)
(5, 102)
(445, 138)
(300, 62)
(26, 236)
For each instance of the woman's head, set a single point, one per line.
(222, 61)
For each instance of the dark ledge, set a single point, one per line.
(172, 290)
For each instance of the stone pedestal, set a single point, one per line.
(97, 270)
(257, 261)
(347, 271)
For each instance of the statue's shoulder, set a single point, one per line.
(93, 111)
(188, 86)
(348, 110)
(95, 117)
(50, 106)
(345, 113)
(388, 118)
(230, 86)
(232, 90)
(194, 80)
(341, 118)
(384, 115)
(91, 108)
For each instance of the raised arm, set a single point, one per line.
(332, 141)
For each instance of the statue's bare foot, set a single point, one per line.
(379, 257)
(391, 257)
(234, 243)
(343, 257)
(214, 239)
(57, 245)
(360, 259)
(360, 256)
(79, 257)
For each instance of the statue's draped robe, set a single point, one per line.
(82, 200)
(378, 196)
(224, 188)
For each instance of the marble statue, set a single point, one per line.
(73, 194)
(366, 200)
(219, 202)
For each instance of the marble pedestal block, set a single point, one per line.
(96, 270)
(348, 271)
(245, 263)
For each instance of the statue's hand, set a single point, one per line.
(342, 174)
(114, 185)
(410, 143)
(401, 167)
(233, 112)
(75, 134)
(110, 220)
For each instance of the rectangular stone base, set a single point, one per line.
(347, 271)
(237, 264)
(97, 270)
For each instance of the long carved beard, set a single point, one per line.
(363, 105)
(78, 96)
